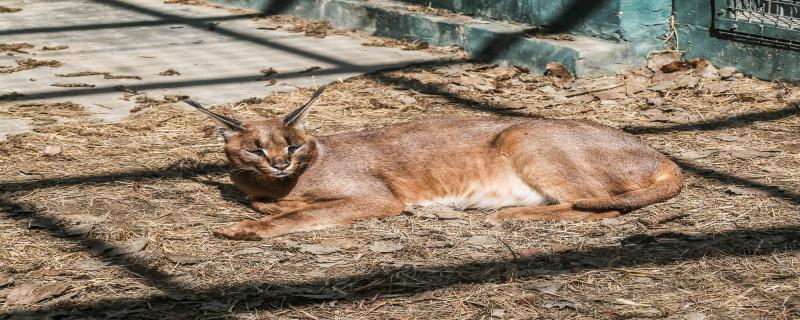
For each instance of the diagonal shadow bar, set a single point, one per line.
(149, 273)
(223, 31)
(659, 250)
(204, 82)
(118, 25)
(708, 173)
(735, 121)
(137, 175)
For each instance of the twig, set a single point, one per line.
(595, 90)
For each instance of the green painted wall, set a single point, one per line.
(620, 20)
(694, 21)
(590, 17)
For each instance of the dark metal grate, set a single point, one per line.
(770, 21)
(783, 14)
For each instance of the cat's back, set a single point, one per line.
(433, 131)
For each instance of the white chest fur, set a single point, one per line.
(504, 191)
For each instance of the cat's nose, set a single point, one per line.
(280, 165)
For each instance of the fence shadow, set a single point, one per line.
(636, 250)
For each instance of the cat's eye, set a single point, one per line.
(294, 148)
(258, 152)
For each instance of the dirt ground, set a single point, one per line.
(114, 220)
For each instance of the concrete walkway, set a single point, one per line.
(217, 64)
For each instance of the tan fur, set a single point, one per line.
(529, 169)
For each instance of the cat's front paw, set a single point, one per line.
(237, 232)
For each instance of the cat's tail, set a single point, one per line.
(667, 183)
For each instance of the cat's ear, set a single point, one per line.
(297, 118)
(228, 127)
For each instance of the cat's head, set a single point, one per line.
(276, 148)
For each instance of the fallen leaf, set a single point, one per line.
(41, 223)
(52, 150)
(475, 82)
(81, 219)
(710, 72)
(676, 66)
(184, 259)
(695, 316)
(727, 72)
(727, 138)
(481, 241)
(663, 86)
(558, 70)
(655, 115)
(558, 304)
(597, 262)
(213, 306)
(791, 147)
(248, 251)
(345, 243)
(119, 249)
(631, 303)
(639, 313)
(549, 90)
(610, 222)
(77, 230)
(717, 88)
(404, 99)
(657, 59)
(6, 279)
(746, 154)
(636, 84)
(686, 81)
(772, 169)
(544, 287)
(385, 246)
(310, 69)
(744, 191)
(694, 155)
(90, 264)
(31, 293)
(268, 71)
(169, 72)
(438, 244)
(319, 249)
(498, 313)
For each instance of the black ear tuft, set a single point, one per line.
(222, 121)
(298, 116)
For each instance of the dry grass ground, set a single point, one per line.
(115, 220)
(109, 221)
